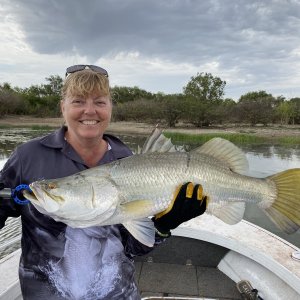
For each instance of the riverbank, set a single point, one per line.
(272, 131)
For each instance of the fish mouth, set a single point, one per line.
(37, 192)
(30, 196)
(42, 199)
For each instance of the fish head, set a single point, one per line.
(52, 195)
(78, 199)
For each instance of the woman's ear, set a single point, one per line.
(62, 106)
(62, 111)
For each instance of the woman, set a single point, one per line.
(60, 262)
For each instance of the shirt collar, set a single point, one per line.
(55, 139)
(117, 149)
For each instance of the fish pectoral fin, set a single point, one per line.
(225, 152)
(140, 227)
(142, 230)
(231, 213)
(137, 209)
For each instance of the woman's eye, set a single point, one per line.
(77, 101)
(100, 103)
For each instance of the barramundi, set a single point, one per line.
(129, 190)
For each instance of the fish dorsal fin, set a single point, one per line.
(157, 142)
(226, 152)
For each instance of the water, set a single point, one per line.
(264, 160)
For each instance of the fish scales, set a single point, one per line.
(155, 176)
(142, 185)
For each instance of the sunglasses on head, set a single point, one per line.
(77, 68)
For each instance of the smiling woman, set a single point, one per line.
(63, 261)
(87, 108)
(48, 254)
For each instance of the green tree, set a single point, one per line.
(43, 100)
(286, 112)
(10, 100)
(197, 112)
(203, 94)
(163, 109)
(122, 94)
(296, 104)
(54, 86)
(225, 111)
(138, 110)
(5, 86)
(171, 108)
(205, 87)
(256, 107)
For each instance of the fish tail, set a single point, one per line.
(285, 211)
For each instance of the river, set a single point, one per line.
(264, 160)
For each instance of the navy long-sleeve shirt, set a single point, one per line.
(57, 261)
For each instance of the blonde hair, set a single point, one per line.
(84, 83)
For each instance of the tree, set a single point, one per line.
(205, 87)
(43, 100)
(286, 112)
(256, 107)
(203, 94)
(10, 101)
(137, 110)
(197, 112)
(224, 113)
(54, 86)
(122, 94)
(296, 104)
(5, 86)
(172, 107)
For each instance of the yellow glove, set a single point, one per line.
(188, 203)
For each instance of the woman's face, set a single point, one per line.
(86, 117)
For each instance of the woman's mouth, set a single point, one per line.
(89, 122)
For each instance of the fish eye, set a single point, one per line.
(51, 186)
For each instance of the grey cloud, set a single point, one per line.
(178, 30)
(256, 37)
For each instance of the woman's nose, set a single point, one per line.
(89, 108)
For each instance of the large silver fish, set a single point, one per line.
(129, 190)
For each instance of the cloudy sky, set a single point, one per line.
(155, 45)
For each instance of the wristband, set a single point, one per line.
(163, 235)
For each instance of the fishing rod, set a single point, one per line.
(16, 194)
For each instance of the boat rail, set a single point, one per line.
(176, 298)
(267, 261)
(10, 242)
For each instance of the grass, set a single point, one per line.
(25, 126)
(289, 140)
(236, 138)
(40, 127)
(4, 126)
(242, 137)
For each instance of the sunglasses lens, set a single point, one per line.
(98, 70)
(77, 68)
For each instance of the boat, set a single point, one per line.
(204, 259)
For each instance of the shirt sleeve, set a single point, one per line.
(10, 177)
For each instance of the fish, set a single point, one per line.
(131, 190)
